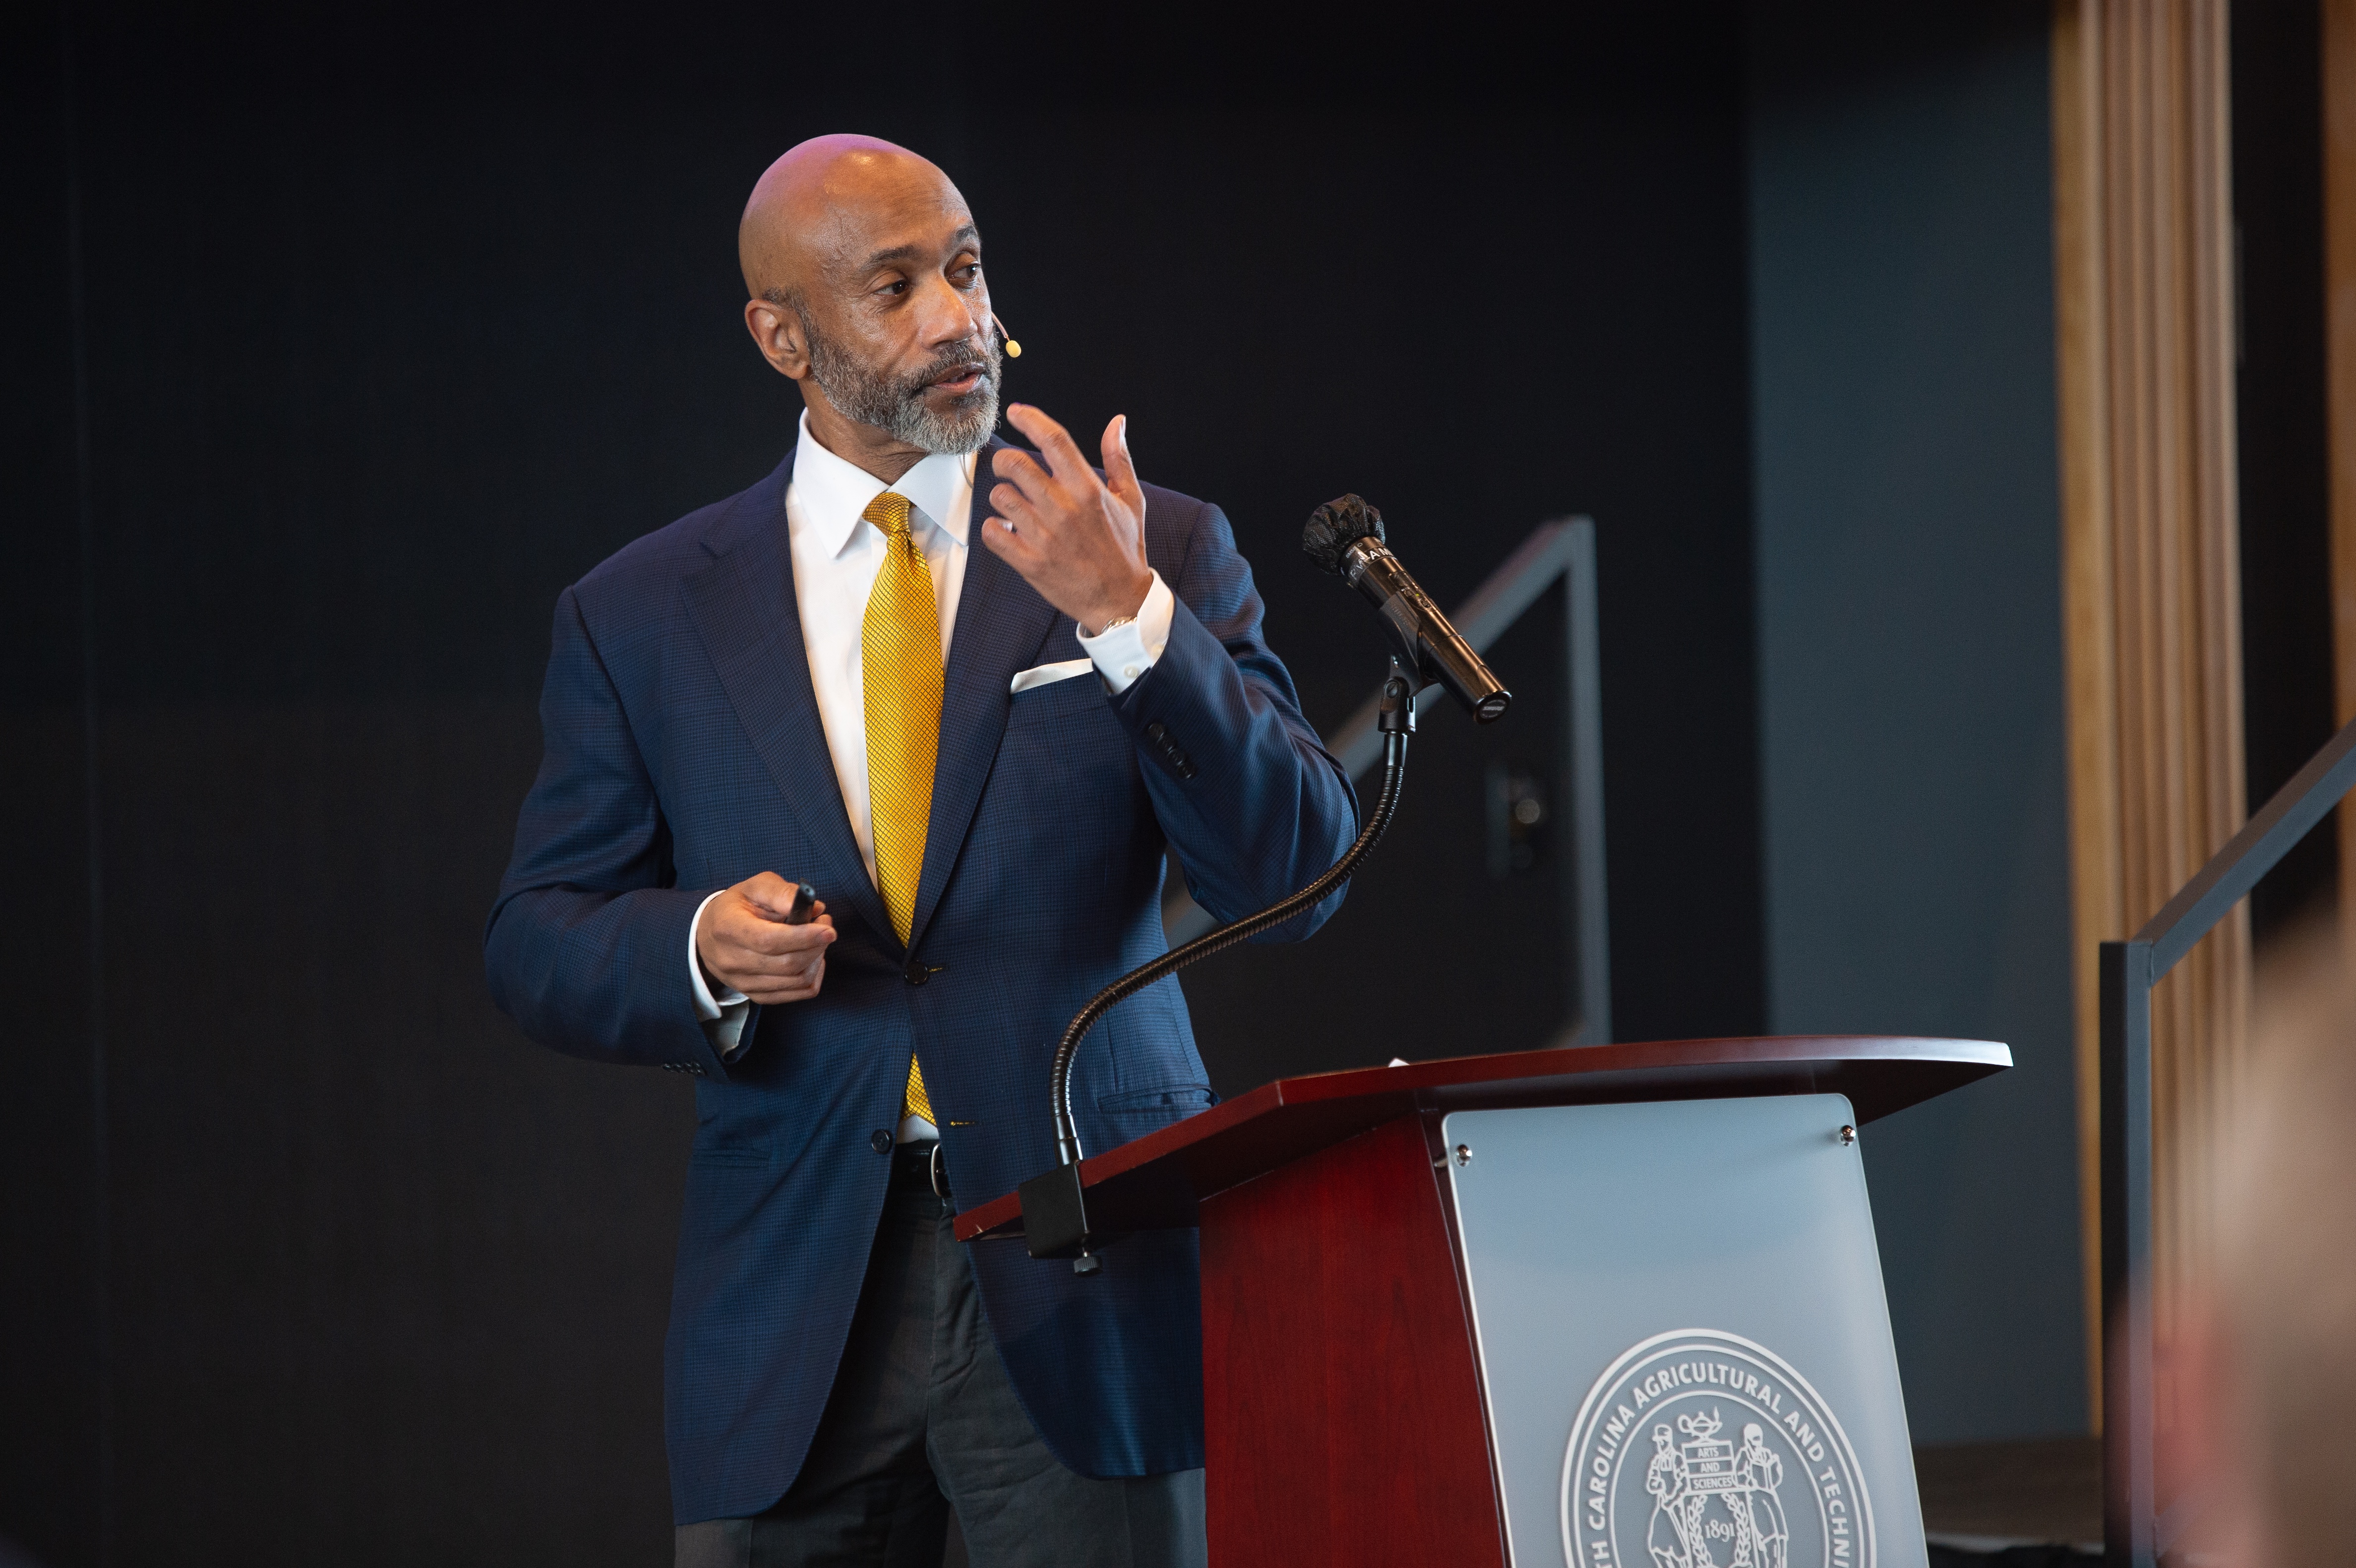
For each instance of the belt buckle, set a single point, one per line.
(936, 1171)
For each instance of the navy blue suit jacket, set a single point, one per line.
(684, 753)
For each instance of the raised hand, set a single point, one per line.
(1078, 540)
(743, 941)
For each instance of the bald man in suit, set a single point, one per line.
(751, 699)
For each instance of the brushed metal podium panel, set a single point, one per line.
(1678, 1313)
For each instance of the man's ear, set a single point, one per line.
(777, 333)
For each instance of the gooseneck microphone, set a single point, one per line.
(1345, 538)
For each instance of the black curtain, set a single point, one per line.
(2285, 459)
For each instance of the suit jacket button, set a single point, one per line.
(1155, 731)
(879, 1140)
(915, 973)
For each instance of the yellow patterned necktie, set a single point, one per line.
(899, 662)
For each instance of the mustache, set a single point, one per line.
(949, 364)
(893, 400)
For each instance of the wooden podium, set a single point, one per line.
(1347, 1418)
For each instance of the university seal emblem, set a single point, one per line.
(1701, 1449)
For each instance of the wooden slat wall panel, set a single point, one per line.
(2144, 256)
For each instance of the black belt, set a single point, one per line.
(922, 1162)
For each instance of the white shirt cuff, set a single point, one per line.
(723, 1016)
(1124, 652)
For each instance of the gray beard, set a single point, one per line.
(897, 405)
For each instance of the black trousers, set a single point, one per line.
(922, 1420)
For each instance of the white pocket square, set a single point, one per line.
(1047, 674)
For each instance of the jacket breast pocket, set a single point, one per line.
(1056, 700)
(1073, 698)
(1064, 733)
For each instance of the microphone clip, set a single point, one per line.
(1395, 713)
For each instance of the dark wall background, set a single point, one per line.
(1915, 788)
(336, 347)
(52, 1045)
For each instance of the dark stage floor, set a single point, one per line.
(2007, 1501)
(1985, 1497)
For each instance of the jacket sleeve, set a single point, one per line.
(587, 946)
(1252, 800)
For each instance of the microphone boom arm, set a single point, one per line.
(1054, 1206)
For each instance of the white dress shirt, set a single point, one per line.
(836, 555)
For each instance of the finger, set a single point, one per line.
(771, 896)
(796, 988)
(804, 954)
(762, 987)
(1009, 546)
(772, 906)
(1054, 443)
(774, 961)
(787, 971)
(773, 940)
(1013, 506)
(750, 970)
(1019, 469)
(1120, 473)
(740, 915)
(777, 995)
(752, 926)
(1012, 520)
(767, 891)
(1031, 485)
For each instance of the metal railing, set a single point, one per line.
(2135, 1530)
(1562, 550)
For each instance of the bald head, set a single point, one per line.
(864, 269)
(810, 210)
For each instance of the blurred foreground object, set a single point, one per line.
(2263, 1362)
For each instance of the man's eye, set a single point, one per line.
(898, 286)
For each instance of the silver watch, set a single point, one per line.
(1117, 620)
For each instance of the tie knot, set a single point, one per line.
(889, 512)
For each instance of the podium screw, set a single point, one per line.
(1464, 1153)
(1847, 1134)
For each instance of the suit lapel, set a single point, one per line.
(1001, 623)
(745, 608)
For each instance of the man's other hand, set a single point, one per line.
(744, 942)
(1078, 540)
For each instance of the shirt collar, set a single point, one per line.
(834, 492)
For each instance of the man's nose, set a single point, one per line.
(948, 316)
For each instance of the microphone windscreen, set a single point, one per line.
(1335, 526)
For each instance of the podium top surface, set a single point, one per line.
(1157, 1180)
